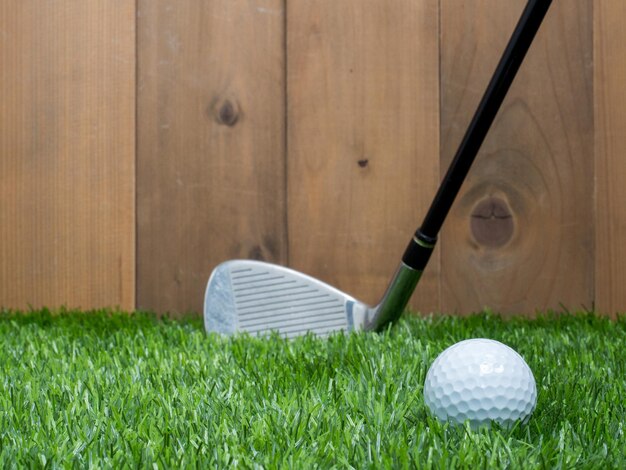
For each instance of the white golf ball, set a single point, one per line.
(480, 380)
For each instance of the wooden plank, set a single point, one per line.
(211, 143)
(67, 153)
(363, 139)
(520, 236)
(610, 150)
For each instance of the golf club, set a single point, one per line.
(258, 297)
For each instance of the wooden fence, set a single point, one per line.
(142, 143)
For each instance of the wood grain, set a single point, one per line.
(211, 143)
(362, 139)
(610, 152)
(67, 153)
(532, 184)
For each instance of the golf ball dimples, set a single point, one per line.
(480, 380)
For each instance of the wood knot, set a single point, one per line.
(227, 113)
(491, 222)
(256, 253)
(363, 162)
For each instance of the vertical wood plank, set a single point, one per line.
(362, 139)
(610, 122)
(520, 236)
(67, 90)
(211, 143)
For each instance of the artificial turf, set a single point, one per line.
(108, 389)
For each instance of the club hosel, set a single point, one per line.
(404, 281)
(395, 299)
(418, 251)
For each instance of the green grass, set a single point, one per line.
(111, 390)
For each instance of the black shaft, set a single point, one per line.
(419, 249)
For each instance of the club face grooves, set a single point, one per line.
(260, 298)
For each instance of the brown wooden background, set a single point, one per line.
(143, 142)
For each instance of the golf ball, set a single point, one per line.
(480, 380)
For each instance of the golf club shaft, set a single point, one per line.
(421, 246)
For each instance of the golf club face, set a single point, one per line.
(260, 298)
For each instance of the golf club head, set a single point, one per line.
(259, 298)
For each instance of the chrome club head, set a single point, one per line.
(257, 297)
